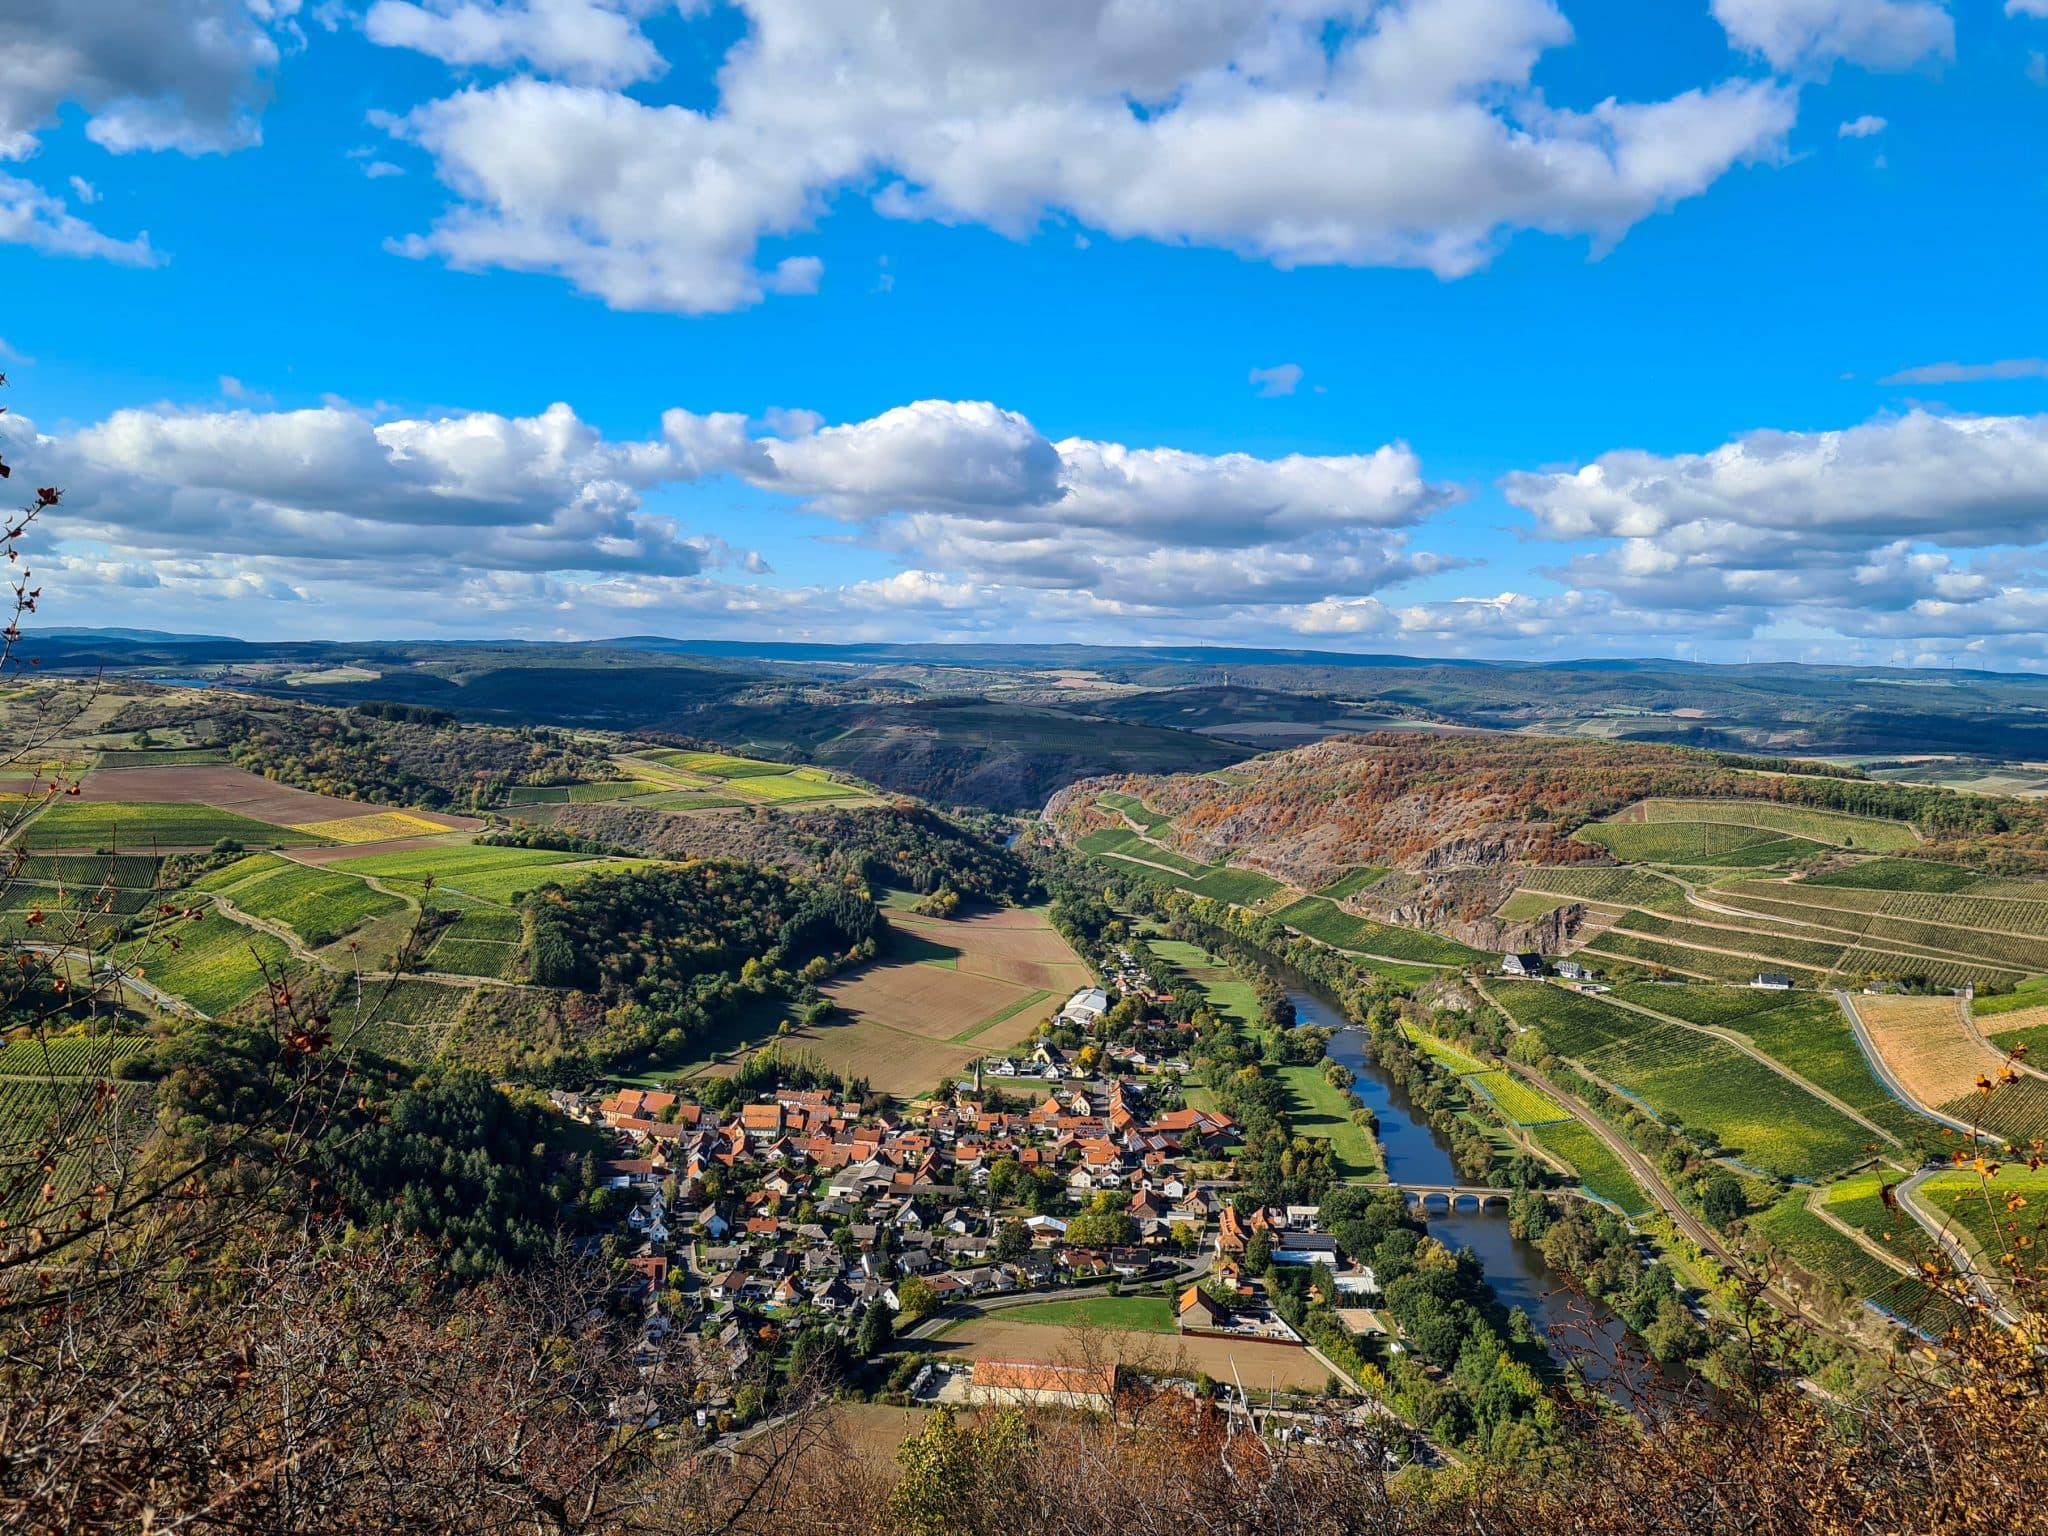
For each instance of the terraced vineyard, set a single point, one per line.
(90, 1135)
(1325, 920)
(215, 965)
(66, 1055)
(1759, 1118)
(2005, 1214)
(1834, 1262)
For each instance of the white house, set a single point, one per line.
(1521, 965)
(1772, 981)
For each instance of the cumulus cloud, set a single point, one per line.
(32, 217)
(1870, 530)
(971, 499)
(1315, 132)
(1283, 379)
(1864, 127)
(2037, 8)
(595, 42)
(1971, 373)
(1804, 35)
(187, 75)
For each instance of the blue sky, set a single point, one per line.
(1587, 328)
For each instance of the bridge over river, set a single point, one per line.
(1450, 1197)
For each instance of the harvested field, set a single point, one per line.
(1256, 1362)
(1927, 1046)
(228, 788)
(950, 992)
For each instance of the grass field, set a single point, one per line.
(163, 757)
(142, 824)
(1229, 995)
(1598, 1168)
(1318, 1110)
(1527, 906)
(1135, 809)
(1132, 1314)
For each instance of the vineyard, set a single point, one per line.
(213, 963)
(1838, 828)
(1758, 1117)
(1330, 923)
(319, 905)
(1598, 1168)
(94, 1133)
(1835, 1264)
(66, 1055)
(118, 824)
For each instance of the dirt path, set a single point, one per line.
(1816, 1206)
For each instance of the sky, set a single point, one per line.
(1710, 329)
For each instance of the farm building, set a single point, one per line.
(1521, 965)
(1571, 970)
(1086, 1006)
(1031, 1384)
(1772, 981)
(1197, 1310)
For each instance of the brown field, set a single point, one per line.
(227, 788)
(1927, 1045)
(921, 999)
(1257, 1363)
(891, 1060)
(901, 1019)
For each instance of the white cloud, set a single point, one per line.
(188, 75)
(1863, 127)
(335, 504)
(1812, 34)
(1311, 132)
(592, 42)
(377, 170)
(2037, 8)
(150, 74)
(1282, 379)
(1904, 526)
(32, 217)
(1971, 373)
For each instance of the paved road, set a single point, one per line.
(1884, 1073)
(1951, 1246)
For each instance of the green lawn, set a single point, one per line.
(1318, 1110)
(1133, 1314)
(1229, 994)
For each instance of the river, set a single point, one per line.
(1415, 1154)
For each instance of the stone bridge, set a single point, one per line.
(1449, 1197)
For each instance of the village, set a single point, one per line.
(1040, 1180)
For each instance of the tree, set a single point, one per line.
(916, 1300)
(1013, 1241)
(1721, 1197)
(877, 1331)
(1258, 1253)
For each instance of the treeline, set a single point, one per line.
(897, 844)
(670, 951)
(410, 714)
(445, 1156)
(392, 761)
